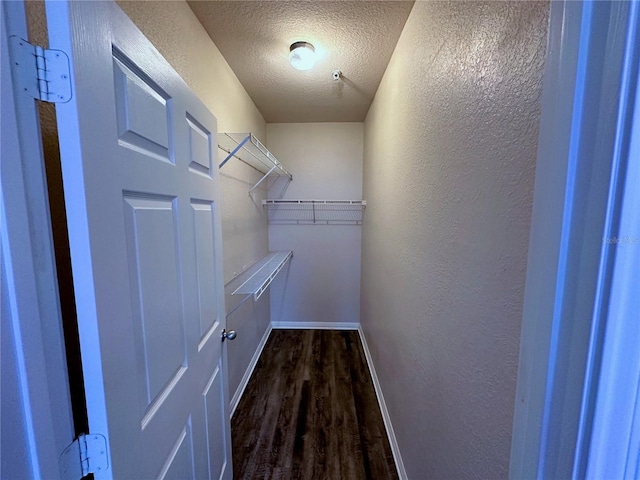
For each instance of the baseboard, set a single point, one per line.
(316, 325)
(247, 374)
(402, 473)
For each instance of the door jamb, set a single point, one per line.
(34, 320)
(580, 171)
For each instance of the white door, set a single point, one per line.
(142, 198)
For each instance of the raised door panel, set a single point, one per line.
(154, 260)
(179, 464)
(200, 147)
(203, 220)
(143, 110)
(213, 398)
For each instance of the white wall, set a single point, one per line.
(449, 161)
(322, 283)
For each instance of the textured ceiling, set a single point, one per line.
(356, 37)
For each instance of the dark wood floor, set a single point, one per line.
(310, 412)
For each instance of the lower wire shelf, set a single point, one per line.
(255, 279)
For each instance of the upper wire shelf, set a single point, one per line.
(248, 149)
(309, 212)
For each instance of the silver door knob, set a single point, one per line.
(231, 334)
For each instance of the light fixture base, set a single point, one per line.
(302, 55)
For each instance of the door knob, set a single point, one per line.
(231, 334)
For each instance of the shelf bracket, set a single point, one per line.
(233, 152)
(260, 181)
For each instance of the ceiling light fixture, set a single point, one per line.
(302, 55)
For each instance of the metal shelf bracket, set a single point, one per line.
(249, 150)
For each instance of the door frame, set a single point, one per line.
(615, 439)
(46, 436)
(583, 153)
(40, 421)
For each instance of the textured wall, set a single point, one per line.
(450, 148)
(176, 33)
(322, 283)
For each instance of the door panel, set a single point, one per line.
(154, 260)
(143, 113)
(213, 397)
(142, 200)
(180, 459)
(203, 221)
(200, 143)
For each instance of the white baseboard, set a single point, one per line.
(247, 374)
(402, 473)
(316, 325)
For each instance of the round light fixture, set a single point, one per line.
(302, 55)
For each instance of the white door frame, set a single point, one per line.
(30, 291)
(37, 421)
(587, 105)
(615, 439)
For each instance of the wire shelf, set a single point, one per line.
(248, 149)
(310, 212)
(255, 279)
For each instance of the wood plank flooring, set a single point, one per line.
(310, 412)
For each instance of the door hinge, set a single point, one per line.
(40, 73)
(87, 454)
